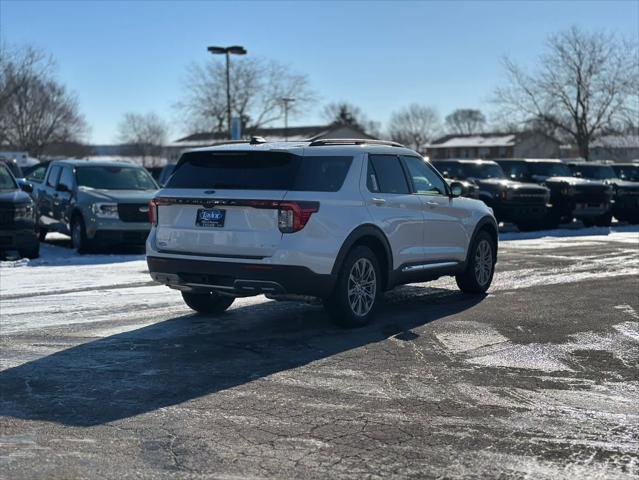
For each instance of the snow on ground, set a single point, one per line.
(62, 287)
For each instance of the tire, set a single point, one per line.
(42, 234)
(588, 222)
(604, 220)
(209, 303)
(31, 252)
(480, 268)
(79, 235)
(551, 221)
(359, 275)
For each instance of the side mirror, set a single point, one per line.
(61, 187)
(25, 186)
(456, 189)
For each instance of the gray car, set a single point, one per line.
(98, 203)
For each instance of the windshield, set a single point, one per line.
(627, 172)
(515, 170)
(482, 170)
(6, 179)
(115, 178)
(550, 169)
(595, 172)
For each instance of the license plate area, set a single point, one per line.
(210, 217)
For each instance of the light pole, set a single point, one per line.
(236, 50)
(286, 101)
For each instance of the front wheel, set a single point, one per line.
(32, 251)
(79, 235)
(478, 275)
(209, 303)
(604, 220)
(353, 301)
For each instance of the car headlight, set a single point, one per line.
(105, 210)
(23, 212)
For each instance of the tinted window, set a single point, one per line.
(595, 172)
(259, 171)
(54, 174)
(388, 173)
(450, 169)
(425, 180)
(627, 172)
(37, 174)
(115, 178)
(66, 178)
(550, 169)
(6, 180)
(515, 170)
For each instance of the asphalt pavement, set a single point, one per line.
(118, 379)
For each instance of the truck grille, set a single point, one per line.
(591, 194)
(133, 212)
(528, 195)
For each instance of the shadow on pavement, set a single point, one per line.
(184, 358)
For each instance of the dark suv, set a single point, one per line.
(626, 193)
(17, 217)
(570, 197)
(626, 171)
(523, 204)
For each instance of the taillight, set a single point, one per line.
(293, 216)
(154, 210)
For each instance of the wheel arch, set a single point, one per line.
(485, 224)
(372, 237)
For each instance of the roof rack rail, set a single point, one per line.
(353, 141)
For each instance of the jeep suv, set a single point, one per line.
(342, 220)
(570, 197)
(523, 204)
(98, 203)
(625, 206)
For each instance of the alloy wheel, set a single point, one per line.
(362, 287)
(483, 262)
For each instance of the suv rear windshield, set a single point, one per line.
(260, 171)
(115, 178)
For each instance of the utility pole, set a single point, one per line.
(286, 101)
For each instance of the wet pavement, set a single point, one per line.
(117, 379)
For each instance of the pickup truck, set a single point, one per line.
(587, 200)
(97, 203)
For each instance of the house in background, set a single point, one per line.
(173, 150)
(494, 145)
(619, 148)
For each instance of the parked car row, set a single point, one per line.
(534, 193)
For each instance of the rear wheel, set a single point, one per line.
(352, 303)
(32, 251)
(209, 303)
(604, 220)
(478, 275)
(42, 234)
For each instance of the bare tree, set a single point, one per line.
(257, 87)
(414, 126)
(586, 85)
(35, 109)
(345, 113)
(146, 133)
(465, 121)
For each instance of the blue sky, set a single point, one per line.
(132, 56)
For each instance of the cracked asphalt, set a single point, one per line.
(538, 379)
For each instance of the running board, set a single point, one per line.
(428, 266)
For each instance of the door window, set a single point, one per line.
(425, 179)
(54, 175)
(66, 178)
(386, 175)
(37, 174)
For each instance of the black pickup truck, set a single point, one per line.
(18, 229)
(625, 205)
(523, 204)
(570, 197)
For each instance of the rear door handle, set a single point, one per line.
(378, 201)
(432, 204)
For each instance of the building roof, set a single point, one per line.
(278, 134)
(482, 140)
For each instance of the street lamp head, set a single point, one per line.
(236, 49)
(216, 50)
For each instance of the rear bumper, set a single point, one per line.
(241, 279)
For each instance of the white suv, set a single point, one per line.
(341, 220)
